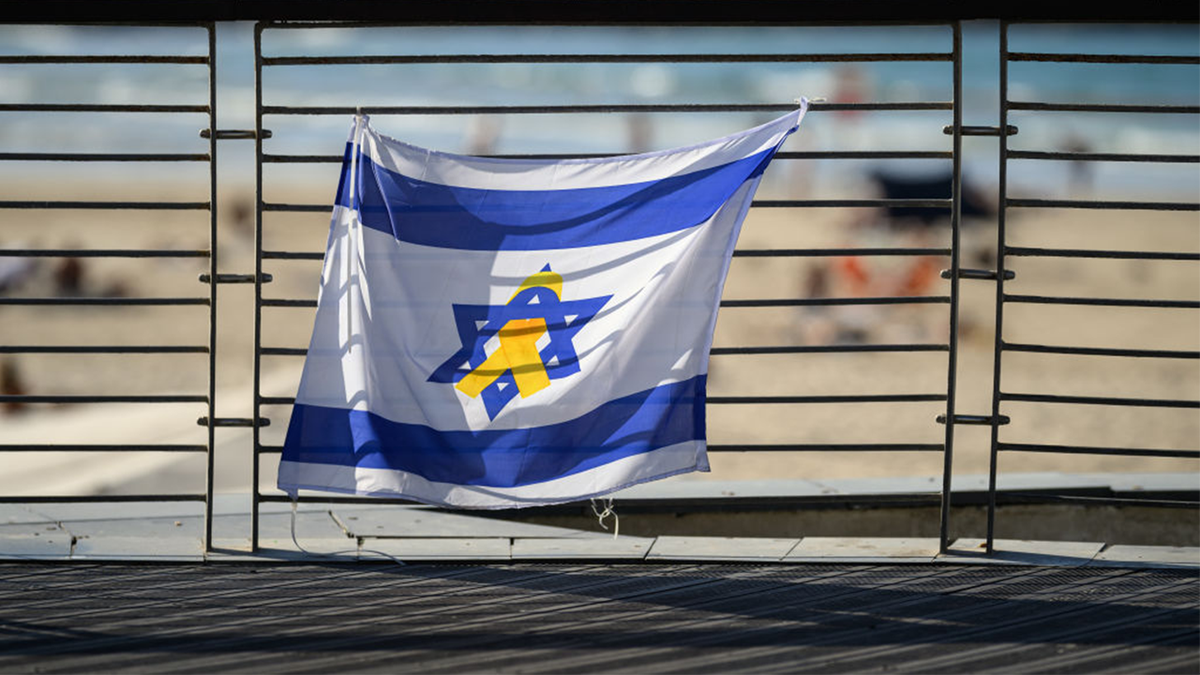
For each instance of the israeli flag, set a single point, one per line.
(496, 333)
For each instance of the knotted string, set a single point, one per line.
(608, 511)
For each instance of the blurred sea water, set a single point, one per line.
(575, 84)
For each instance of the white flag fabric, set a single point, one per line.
(497, 333)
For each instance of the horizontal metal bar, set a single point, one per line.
(774, 447)
(101, 157)
(837, 252)
(827, 349)
(139, 206)
(234, 422)
(293, 255)
(103, 349)
(101, 253)
(597, 108)
(756, 400)
(1102, 302)
(854, 398)
(283, 351)
(1096, 450)
(1103, 107)
(1091, 204)
(978, 275)
(788, 154)
(853, 203)
(758, 203)
(235, 134)
(298, 208)
(745, 253)
(833, 302)
(1100, 400)
(139, 302)
(828, 447)
(112, 398)
(122, 447)
(286, 302)
(1008, 130)
(730, 351)
(1103, 156)
(979, 420)
(235, 278)
(131, 58)
(1100, 351)
(602, 58)
(1088, 253)
(99, 499)
(101, 108)
(1045, 57)
(769, 302)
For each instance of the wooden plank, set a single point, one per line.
(436, 548)
(748, 549)
(863, 549)
(599, 548)
(1125, 555)
(139, 548)
(1022, 552)
(54, 545)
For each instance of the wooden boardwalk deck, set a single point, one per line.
(563, 618)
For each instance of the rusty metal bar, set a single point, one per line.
(952, 367)
(103, 349)
(1097, 450)
(399, 59)
(596, 108)
(1102, 58)
(102, 253)
(783, 154)
(115, 205)
(122, 447)
(210, 459)
(1099, 400)
(103, 107)
(1100, 351)
(134, 58)
(1104, 107)
(1090, 253)
(101, 157)
(755, 447)
(1102, 302)
(758, 203)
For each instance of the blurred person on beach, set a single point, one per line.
(12, 384)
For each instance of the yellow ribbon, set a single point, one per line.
(518, 349)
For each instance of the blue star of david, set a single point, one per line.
(479, 323)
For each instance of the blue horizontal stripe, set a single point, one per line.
(432, 214)
(656, 418)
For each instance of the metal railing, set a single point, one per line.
(141, 313)
(1000, 393)
(271, 115)
(295, 145)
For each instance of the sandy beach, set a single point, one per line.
(804, 374)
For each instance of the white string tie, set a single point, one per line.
(601, 516)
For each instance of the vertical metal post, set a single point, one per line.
(1000, 270)
(212, 286)
(258, 281)
(952, 371)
